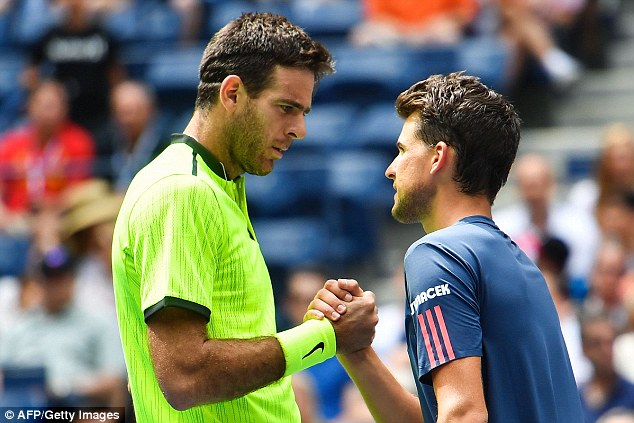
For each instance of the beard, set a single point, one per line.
(415, 205)
(247, 142)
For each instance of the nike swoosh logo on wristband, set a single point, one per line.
(320, 346)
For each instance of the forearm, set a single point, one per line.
(225, 369)
(387, 400)
(193, 369)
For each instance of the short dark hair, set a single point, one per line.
(480, 124)
(251, 46)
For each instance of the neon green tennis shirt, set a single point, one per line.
(183, 238)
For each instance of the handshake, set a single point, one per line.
(351, 310)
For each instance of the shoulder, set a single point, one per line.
(465, 235)
(74, 135)
(14, 139)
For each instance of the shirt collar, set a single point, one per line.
(214, 164)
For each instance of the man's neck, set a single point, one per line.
(449, 209)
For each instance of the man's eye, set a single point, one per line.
(286, 108)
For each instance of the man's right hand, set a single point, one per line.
(356, 329)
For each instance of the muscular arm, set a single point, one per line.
(193, 369)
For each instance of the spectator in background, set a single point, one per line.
(414, 23)
(551, 261)
(81, 355)
(89, 211)
(615, 215)
(17, 296)
(529, 26)
(135, 135)
(329, 379)
(604, 295)
(83, 56)
(538, 215)
(606, 389)
(46, 155)
(614, 172)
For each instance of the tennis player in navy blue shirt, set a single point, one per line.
(471, 292)
(482, 331)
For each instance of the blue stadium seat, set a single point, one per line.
(328, 126)
(376, 74)
(11, 94)
(145, 21)
(360, 176)
(359, 198)
(5, 28)
(24, 387)
(174, 76)
(487, 58)
(31, 19)
(579, 166)
(326, 19)
(289, 242)
(296, 187)
(136, 56)
(221, 13)
(378, 126)
(13, 254)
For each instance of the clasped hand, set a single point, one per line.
(351, 310)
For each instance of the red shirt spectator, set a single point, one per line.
(39, 160)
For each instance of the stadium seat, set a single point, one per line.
(380, 74)
(13, 254)
(31, 19)
(359, 198)
(359, 176)
(174, 76)
(326, 19)
(328, 126)
(378, 126)
(220, 13)
(296, 187)
(487, 58)
(5, 28)
(11, 95)
(289, 242)
(145, 21)
(23, 387)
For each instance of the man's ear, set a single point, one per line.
(230, 90)
(440, 159)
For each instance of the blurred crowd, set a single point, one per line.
(86, 122)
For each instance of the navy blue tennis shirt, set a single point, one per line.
(470, 291)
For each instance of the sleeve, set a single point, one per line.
(443, 305)
(176, 230)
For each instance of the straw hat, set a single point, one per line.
(88, 204)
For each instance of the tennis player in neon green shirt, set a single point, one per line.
(193, 294)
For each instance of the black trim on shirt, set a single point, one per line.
(176, 302)
(213, 163)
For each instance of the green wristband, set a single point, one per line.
(307, 344)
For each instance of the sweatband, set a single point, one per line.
(308, 344)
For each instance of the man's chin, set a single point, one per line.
(401, 217)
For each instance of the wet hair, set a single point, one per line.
(250, 47)
(479, 124)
